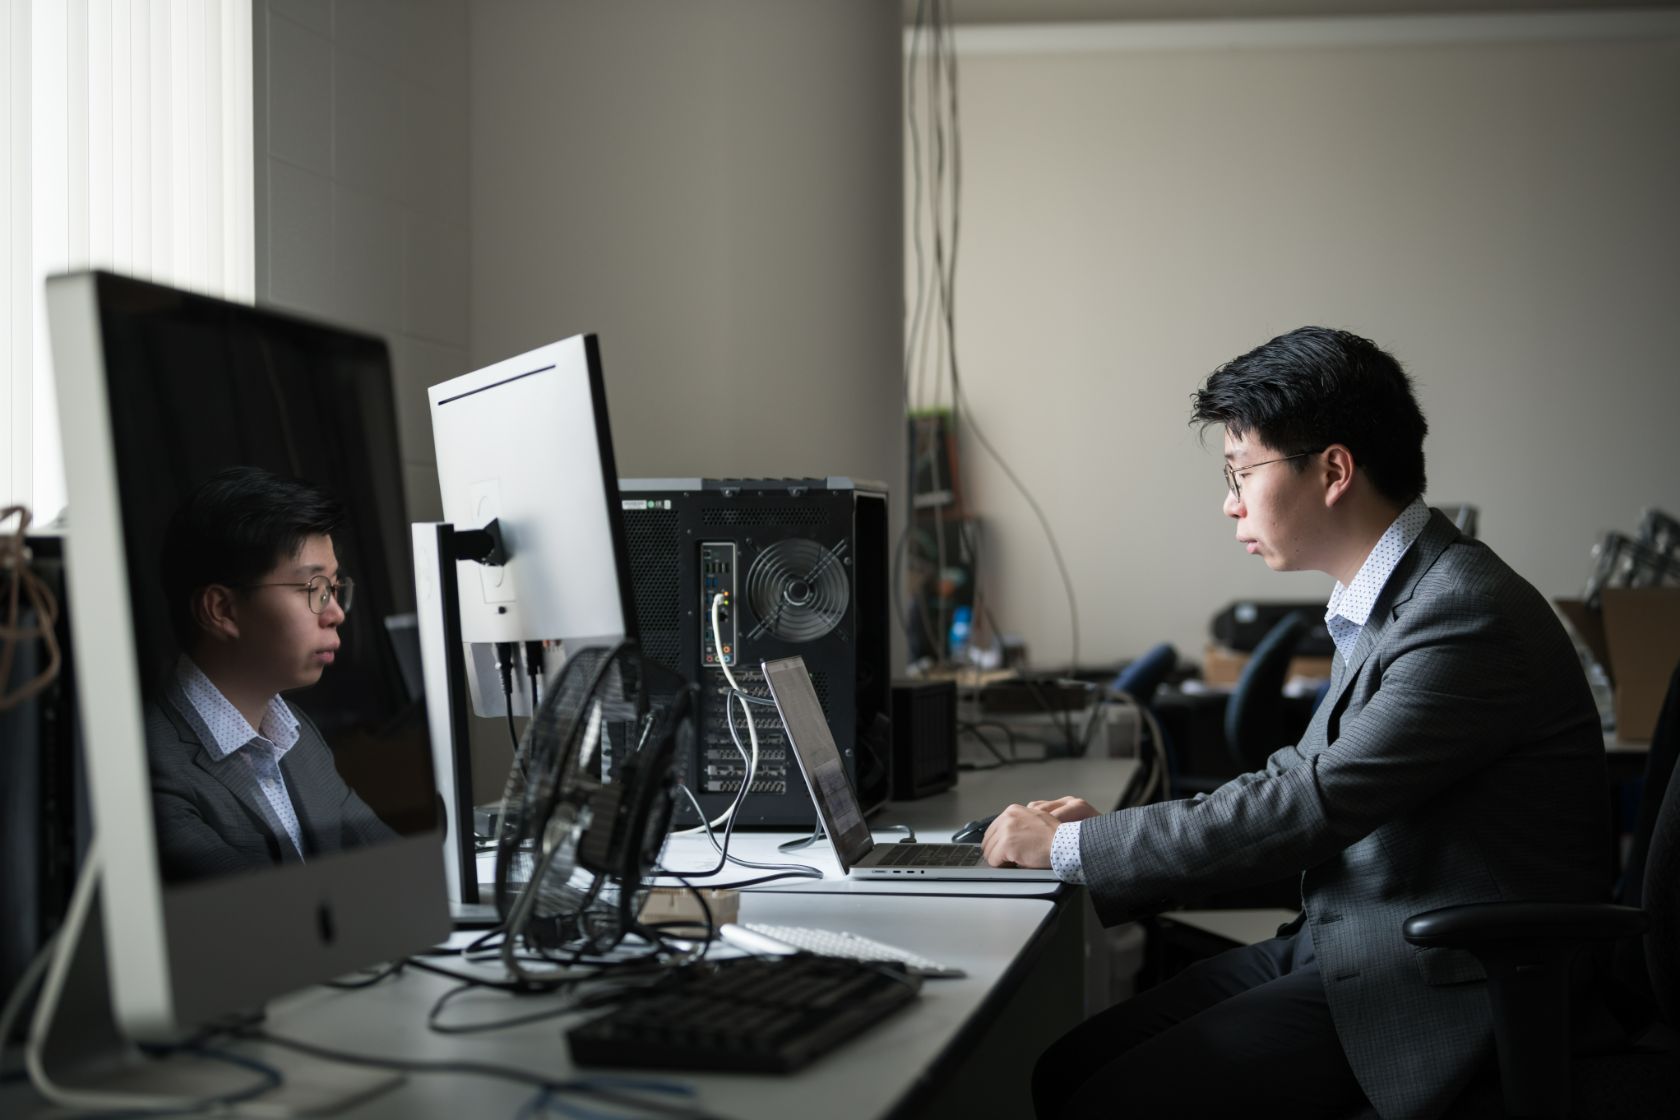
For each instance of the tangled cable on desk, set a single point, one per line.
(20, 581)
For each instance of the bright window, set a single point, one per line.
(126, 127)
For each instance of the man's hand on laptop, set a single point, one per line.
(1065, 809)
(1020, 837)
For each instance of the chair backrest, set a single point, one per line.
(1142, 677)
(1253, 723)
(1659, 767)
(1642, 969)
(1662, 902)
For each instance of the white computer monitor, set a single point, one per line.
(158, 391)
(526, 444)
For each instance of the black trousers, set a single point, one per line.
(1247, 1032)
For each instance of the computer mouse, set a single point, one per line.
(972, 832)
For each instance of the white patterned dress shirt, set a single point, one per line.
(1350, 606)
(233, 742)
(1346, 615)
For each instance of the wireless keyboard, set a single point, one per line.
(758, 937)
(753, 1014)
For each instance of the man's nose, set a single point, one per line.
(1233, 504)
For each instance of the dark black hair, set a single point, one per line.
(1316, 386)
(233, 530)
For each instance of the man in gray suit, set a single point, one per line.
(240, 778)
(1457, 758)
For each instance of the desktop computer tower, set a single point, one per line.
(803, 566)
(45, 825)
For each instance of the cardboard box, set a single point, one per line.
(678, 904)
(1636, 637)
(1221, 666)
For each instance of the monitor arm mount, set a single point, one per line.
(482, 546)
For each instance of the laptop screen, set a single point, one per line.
(819, 758)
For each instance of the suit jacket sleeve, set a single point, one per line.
(1450, 675)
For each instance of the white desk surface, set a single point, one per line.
(978, 926)
(863, 1078)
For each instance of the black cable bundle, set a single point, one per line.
(17, 583)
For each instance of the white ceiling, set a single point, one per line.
(1065, 11)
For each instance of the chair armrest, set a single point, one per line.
(1527, 949)
(1482, 924)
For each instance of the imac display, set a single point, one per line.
(265, 809)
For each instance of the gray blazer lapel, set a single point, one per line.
(1317, 735)
(231, 773)
(310, 779)
(1436, 536)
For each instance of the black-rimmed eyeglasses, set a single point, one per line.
(1232, 473)
(321, 590)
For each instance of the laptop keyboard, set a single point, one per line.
(928, 855)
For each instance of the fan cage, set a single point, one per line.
(594, 762)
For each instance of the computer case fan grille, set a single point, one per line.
(798, 590)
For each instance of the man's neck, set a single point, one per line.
(1363, 528)
(250, 701)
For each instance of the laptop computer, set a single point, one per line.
(837, 802)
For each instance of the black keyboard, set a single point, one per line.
(770, 1015)
(928, 855)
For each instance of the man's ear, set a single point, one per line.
(216, 612)
(1338, 467)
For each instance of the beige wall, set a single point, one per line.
(361, 187)
(1502, 216)
(714, 190)
(361, 205)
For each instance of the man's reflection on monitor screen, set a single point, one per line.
(240, 777)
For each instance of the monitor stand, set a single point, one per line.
(78, 1057)
(443, 666)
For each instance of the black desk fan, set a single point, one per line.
(588, 802)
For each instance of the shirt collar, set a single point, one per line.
(1354, 601)
(229, 730)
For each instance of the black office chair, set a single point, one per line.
(1528, 950)
(1139, 682)
(1255, 723)
(1659, 770)
(1142, 677)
